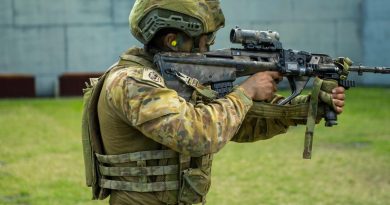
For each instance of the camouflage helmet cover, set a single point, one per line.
(206, 15)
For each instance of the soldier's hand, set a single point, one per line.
(338, 97)
(333, 95)
(262, 86)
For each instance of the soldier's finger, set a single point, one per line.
(339, 110)
(275, 75)
(270, 95)
(338, 90)
(274, 86)
(338, 96)
(279, 80)
(339, 103)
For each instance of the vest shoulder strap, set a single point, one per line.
(126, 58)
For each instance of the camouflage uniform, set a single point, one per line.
(137, 112)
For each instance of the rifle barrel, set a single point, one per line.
(362, 69)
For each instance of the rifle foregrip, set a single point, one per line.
(330, 117)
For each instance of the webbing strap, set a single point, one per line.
(207, 160)
(136, 156)
(194, 83)
(139, 171)
(185, 161)
(311, 118)
(139, 187)
(266, 110)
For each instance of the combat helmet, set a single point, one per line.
(194, 17)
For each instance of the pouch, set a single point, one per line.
(195, 185)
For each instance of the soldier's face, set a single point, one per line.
(203, 47)
(185, 43)
(200, 44)
(192, 45)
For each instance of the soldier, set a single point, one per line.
(158, 148)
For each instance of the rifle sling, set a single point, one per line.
(311, 118)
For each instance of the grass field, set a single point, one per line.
(41, 158)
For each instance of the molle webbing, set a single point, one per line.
(136, 156)
(140, 186)
(141, 170)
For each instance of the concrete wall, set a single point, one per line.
(330, 26)
(376, 38)
(47, 38)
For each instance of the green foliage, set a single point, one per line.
(41, 158)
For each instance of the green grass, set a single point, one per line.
(41, 158)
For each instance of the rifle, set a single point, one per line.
(262, 51)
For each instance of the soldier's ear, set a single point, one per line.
(171, 42)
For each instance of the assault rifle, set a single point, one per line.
(262, 51)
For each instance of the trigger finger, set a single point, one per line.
(278, 80)
(274, 86)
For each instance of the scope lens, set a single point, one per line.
(233, 35)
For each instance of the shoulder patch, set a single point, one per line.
(140, 74)
(151, 76)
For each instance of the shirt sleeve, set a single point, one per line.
(258, 128)
(254, 129)
(160, 114)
